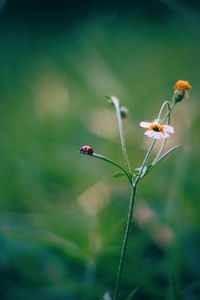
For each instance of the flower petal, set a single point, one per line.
(150, 133)
(158, 135)
(155, 122)
(168, 128)
(166, 134)
(145, 124)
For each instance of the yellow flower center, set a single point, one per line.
(156, 127)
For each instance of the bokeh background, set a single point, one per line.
(62, 215)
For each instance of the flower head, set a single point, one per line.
(181, 88)
(182, 85)
(157, 130)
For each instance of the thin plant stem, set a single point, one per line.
(146, 158)
(167, 116)
(161, 158)
(130, 214)
(125, 241)
(129, 176)
(169, 112)
(96, 155)
(116, 103)
(162, 108)
(159, 152)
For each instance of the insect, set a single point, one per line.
(86, 150)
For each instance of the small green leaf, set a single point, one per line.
(132, 294)
(167, 153)
(118, 174)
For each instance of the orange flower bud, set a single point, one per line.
(181, 88)
(182, 85)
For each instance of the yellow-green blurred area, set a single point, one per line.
(62, 214)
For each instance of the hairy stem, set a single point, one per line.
(125, 241)
(166, 116)
(146, 158)
(121, 130)
(129, 218)
(159, 152)
(162, 108)
(169, 112)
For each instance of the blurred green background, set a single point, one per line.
(62, 215)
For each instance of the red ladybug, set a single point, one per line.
(86, 150)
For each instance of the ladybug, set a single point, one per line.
(86, 150)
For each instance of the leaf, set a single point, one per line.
(161, 158)
(132, 294)
(118, 174)
(167, 153)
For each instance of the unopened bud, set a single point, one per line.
(178, 97)
(124, 112)
(181, 88)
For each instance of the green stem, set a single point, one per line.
(162, 108)
(159, 152)
(165, 118)
(129, 176)
(130, 214)
(116, 103)
(169, 112)
(160, 159)
(125, 241)
(146, 158)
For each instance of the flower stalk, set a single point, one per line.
(125, 241)
(116, 104)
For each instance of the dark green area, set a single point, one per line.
(62, 215)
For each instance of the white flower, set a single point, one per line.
(157, 130)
